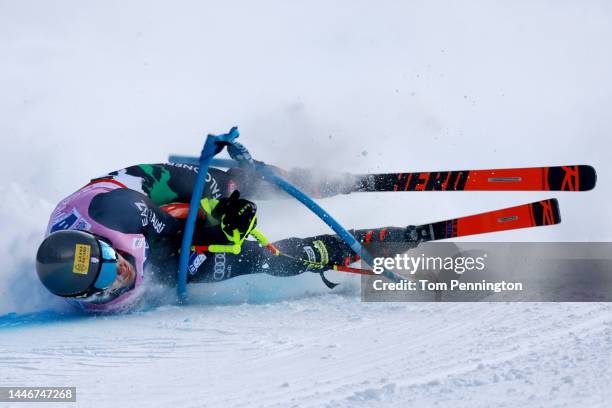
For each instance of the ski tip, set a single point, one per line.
(588, 177)
(571, 178)
(546, 212)
(555, 210)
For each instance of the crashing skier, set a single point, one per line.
(122, 229)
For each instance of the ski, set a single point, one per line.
(555, 178)
(535, 214)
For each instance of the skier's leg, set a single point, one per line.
(252, 259)
(331, 249)
(322, 249)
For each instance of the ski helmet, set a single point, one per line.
(73, 263)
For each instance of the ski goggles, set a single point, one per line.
(108, 266)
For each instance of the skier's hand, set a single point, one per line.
(237, 216)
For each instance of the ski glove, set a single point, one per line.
(237, 216)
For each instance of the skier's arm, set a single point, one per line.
(131, 212)
(166, 183)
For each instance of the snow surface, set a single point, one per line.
(88, 87)
(327, 350)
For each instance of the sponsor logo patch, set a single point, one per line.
(82, 256)
(219, 272)
(65, 221)
(213, 186)
(195, 261)
(148, 217)
(185, 166)
(310, 253)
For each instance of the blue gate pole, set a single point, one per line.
(212, 146)
(196, 196)
(269, 175)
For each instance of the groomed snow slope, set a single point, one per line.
(324, 351)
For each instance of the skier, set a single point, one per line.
(107, 238)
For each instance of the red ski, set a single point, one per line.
(556, 178)
(536, 214)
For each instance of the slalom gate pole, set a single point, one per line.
(212, 146)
